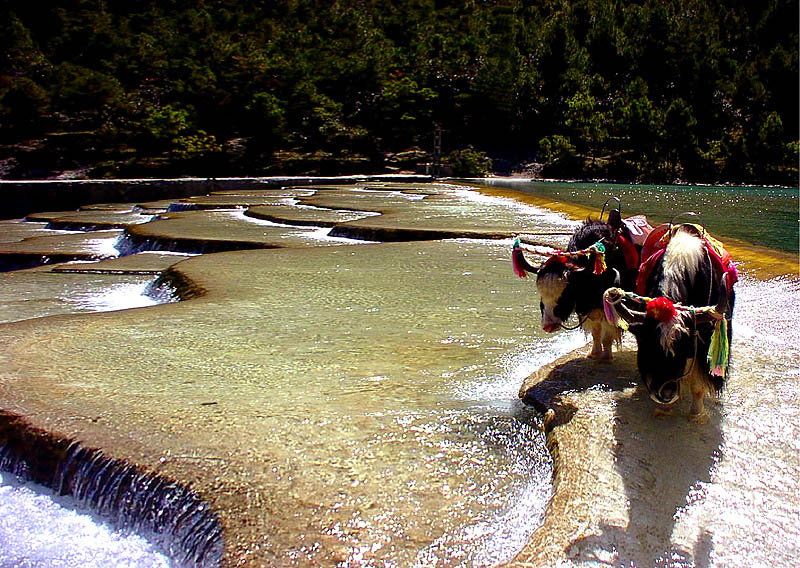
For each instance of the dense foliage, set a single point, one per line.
(649, 90)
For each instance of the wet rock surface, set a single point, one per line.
(292, 479)
(90, 219)
(634, 489)
(297, 367)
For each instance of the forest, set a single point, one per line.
(650, 91)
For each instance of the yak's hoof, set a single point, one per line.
(599, 356)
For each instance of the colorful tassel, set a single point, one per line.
(517, 260)
(599, 258)
(718, 351)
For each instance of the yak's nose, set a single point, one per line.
(668, 393)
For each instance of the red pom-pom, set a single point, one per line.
(661, 309)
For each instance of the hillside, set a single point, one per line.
(656, 90)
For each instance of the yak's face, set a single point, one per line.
(662, 360)
(555, 303)
(566, 288)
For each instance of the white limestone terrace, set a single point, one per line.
(21, 197)
(294, 280)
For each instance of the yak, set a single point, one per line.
(599, 255)
(682, 334)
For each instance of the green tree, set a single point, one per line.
(556, 148)
(588, 122)
(640, 121)
(657, 90)
(469, 162)
(24, 105)
(405, 109)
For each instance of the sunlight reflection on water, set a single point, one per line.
(40, 530)
(119, 296)
(748, 511)
(453, 442)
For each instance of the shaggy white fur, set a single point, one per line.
(682, 257)
(669, 331)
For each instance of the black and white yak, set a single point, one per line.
(681, 317)
(599, 255)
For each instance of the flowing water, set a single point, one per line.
(398, 391)
(449, 467)
(41, 530)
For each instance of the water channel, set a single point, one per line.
(351, 403)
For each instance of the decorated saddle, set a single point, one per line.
(656, 243)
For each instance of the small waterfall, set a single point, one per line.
(169, 515)
(179, 206)
(163, 291)
(130, 243)
(172, 286)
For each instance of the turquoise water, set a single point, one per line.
(766, 216)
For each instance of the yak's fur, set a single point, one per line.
(572, 286)
(675, 352)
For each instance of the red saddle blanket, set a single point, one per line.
(656, 243)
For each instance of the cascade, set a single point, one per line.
(169, 515)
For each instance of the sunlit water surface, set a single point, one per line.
(761, 215)
(455, 447)
(466, 430)
(40, 293)
(750, 508)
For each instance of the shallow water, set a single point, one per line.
(380, 393)
(384, 398)
(384, 408)
(32, 294)
(750, 506)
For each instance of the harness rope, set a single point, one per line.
(664, 310)
(580, 323)
(598, 249)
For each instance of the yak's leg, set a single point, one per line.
(603, 336)
(699, 388)
(610, 334)
(596, 330)
(597, 345)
